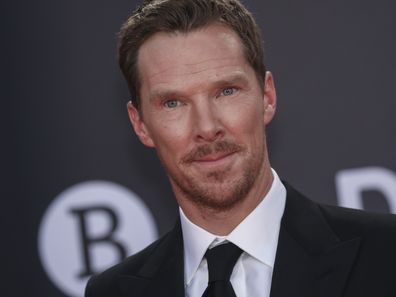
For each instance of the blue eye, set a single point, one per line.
(172, 103)
(228, 91)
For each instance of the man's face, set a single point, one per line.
(203, 110)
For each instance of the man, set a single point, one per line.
(200, 95)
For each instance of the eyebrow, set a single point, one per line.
(165, 94)
(223, 81)
(232, 79)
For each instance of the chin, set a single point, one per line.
(218, 192)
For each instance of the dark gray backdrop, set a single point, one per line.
(65, 121)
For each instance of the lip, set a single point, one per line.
(216, 159)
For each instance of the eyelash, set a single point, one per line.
(165, 103)
(229, 88)
(234, 90)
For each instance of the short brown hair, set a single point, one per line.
(183, 16)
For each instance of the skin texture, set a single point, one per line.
(203, 110)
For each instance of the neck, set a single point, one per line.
(222, 222)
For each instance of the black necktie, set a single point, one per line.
(221, 260)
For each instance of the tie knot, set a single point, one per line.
(221, 260)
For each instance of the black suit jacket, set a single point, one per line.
(323, 251)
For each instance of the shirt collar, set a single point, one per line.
(257, 234)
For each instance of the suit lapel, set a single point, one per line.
(162, 274)
(311, 260)
(335, 266)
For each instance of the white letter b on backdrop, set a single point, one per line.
(89, 227)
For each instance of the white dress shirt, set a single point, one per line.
(257, 236)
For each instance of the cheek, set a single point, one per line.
(170, 136)
(244, 118)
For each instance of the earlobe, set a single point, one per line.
(269, 98)
(139, 126)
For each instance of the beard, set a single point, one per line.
(217, 189)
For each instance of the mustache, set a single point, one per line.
(221, 146)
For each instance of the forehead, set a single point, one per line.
(211, 51)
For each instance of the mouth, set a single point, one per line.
(218, 155)
(215, 160)
(213, 157)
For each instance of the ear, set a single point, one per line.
(139, 126)
(269, 98)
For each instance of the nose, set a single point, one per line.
(207, 122)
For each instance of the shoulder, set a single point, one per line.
(375, 261)
(312, 221)
(341, 235)
(345, 222)
(105, 284)
(349, 223)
